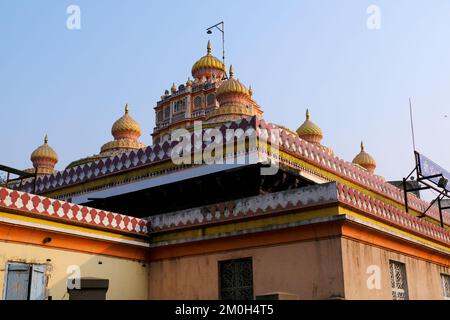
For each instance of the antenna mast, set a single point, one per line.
(412, 125)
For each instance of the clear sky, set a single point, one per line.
(73, 84)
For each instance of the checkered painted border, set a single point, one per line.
(119, 163)
(390, 214)
(296, 199)
(288, 142)
(317, 156)
(38, 206)
(246, 208)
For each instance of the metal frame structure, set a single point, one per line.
(427, 183)
(21, 175)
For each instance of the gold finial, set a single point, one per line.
(231, 71)
(307, 114)
(362, 146)
(46, 139)
(250, 91)
(208, 47)
(126, 108)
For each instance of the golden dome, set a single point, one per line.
(309, 131)
(44, 158)
(44, 152)
(126, 127)
(208, 65)
(126, 132)
(232, 85)
(365, 160)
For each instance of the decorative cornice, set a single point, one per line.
(300, 149)
(283, 202)
(47, 208)
(379, 210)
(315, 155)
(256, 206)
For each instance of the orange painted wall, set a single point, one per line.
(309, 269)
(423, 277)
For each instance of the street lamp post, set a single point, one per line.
(221, 27)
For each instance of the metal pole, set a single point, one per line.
(223, 42)
(440, 211)
(405, 192)
(412, 124)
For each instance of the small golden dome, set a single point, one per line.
(208, 66)
(189, 82)
(126, 127)
(232, 85)
(44, 152)
(309, 131)
(365, 160)
(126, 132)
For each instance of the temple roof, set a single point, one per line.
(324, 165)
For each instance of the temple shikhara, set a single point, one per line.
(276, 215)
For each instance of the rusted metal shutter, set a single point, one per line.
(17, 281)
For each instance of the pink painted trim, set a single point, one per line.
(317, 156)
(391, 214)
(42, 207)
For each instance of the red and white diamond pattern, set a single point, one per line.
(42, 206)
(292, 143)
(322, 159)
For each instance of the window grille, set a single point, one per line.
(167, 113)
(399, 283)
(198, 101)
(211, 100)
(236, 279)
(445, 286)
